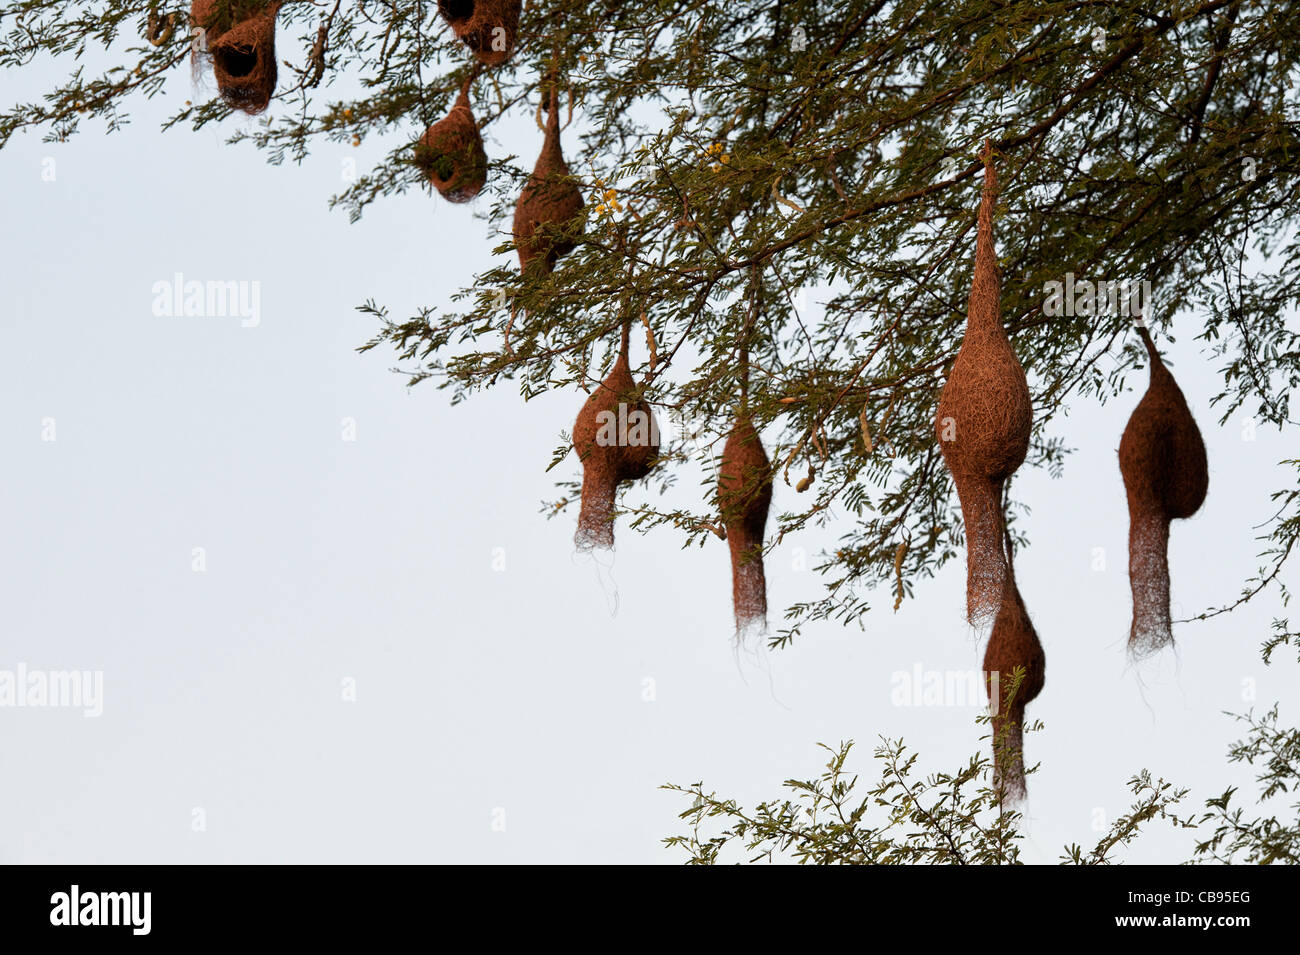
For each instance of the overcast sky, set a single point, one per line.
(333, 625)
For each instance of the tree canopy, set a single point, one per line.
(787, 190)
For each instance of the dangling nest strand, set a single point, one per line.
(1162, 459)
(617, 440)
(984, 419)
(487, 27)
(451, 154)
(549, 202)
(241, 44)
(745, 495)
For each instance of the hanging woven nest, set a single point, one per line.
(1013, 644)
(1166, 475)
(617, 440)
(487, 27)
(549, 202)
(984, 420)
(241, 45)
(451, 154)
(745, 496)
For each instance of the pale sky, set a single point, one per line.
(500, 715)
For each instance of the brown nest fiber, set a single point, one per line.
(550, 200)
(241, 43)
(1162, 459)
(617, 440)
(1013, 644)
(451, 154)
(984, 419)
(745, 495)
(487, 27)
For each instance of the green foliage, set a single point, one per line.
(1266, 839)
(939, 819)
(958, 818)
(736, 156)
(1282, 636)
(961, 818)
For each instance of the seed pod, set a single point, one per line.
(866, 431)
(1162, 459)
(900, 552)
(159, 29)
(451, 155)
(806, 481)
(241, 44)
(549, 202)
(1013, 643)
(745, 495)
(487, 27)
(983, 421)
(617, 440)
